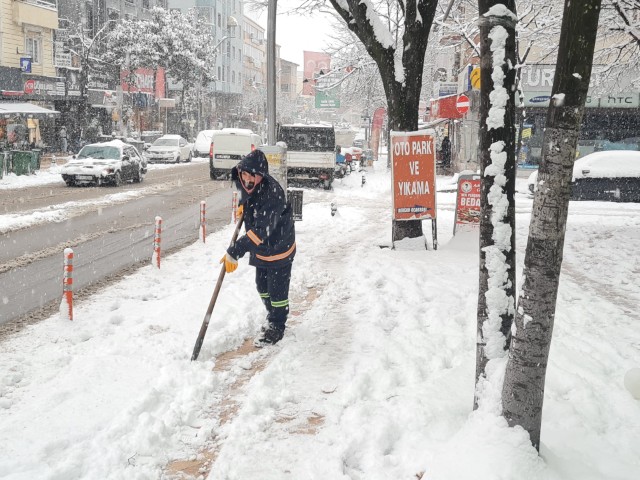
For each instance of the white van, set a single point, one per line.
(228, 146)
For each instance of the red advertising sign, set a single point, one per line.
(313, 63)
(29, 86)
(141, 80)
(413, 173)
(468, 201)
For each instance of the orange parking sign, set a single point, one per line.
(413, 173)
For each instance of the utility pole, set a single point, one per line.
(271, 72)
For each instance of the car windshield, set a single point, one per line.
(166, 142)
(100, 152)
(204, 137)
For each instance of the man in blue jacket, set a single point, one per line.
(270, 240)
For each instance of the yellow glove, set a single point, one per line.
(230, 263)
(239, 211)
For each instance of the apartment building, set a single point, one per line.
(29, 85)
(220, 100)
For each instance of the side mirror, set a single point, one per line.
(125, 158)
(73, 156)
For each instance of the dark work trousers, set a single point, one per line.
(273, 288)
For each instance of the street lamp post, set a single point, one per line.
(271, 72)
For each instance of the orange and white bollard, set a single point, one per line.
(234, 207)
(156, 242)
(67, 285)
(203, 220)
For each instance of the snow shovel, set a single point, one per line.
(214, 297)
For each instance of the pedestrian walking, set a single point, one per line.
(446, 152)
(62, 134)
(269, 239)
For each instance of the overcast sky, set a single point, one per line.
(296, 34)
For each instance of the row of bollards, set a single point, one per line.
(66, 305)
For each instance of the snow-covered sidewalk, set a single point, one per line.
(373, 380)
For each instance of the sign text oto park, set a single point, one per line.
(413, 175)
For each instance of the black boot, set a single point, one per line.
(272, 335)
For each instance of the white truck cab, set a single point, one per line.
(311, 152)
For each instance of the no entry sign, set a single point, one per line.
(462, 104)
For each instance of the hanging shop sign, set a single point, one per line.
(44, 87)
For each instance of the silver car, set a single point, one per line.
(111, 162)
(169, 149)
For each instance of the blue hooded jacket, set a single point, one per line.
(270, 235)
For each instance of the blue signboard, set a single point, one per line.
(25, 64)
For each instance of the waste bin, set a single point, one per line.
(21, 162)
(295, 198)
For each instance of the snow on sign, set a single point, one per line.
(462, 104)
(413, 175)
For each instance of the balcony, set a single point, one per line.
(36, 12)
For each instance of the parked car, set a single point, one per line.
(108, 162)
(612, 175)
(169, 149)
(202, 144)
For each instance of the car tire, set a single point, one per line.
(212, 175)
(117, 179)
(190, 157)
(70, 183)
(139, 177)
(178, 160)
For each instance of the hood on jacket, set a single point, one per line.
(255, 163)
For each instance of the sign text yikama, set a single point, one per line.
(413, 173)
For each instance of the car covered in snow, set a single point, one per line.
(112, 162)
(169, 149)
(612, 175)
(202, 144)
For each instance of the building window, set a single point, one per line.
(219, 21)
(146, 4)
(233, 77)
(130, 2)
(219, 74)
(33, 47)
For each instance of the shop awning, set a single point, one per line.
(24, 109)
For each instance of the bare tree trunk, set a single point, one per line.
(402, 95)
(523, 389)
(496, 293)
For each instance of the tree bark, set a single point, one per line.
(402, 96)
(523, 389)
(494, 319)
